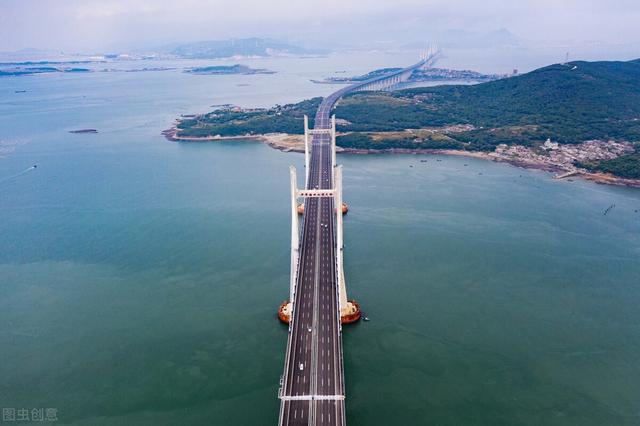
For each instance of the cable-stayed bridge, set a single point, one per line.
(312, 389)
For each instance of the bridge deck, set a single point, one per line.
(314, 341)
(313, 383)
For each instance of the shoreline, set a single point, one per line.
(294, 143)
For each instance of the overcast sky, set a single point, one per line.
(594, 26)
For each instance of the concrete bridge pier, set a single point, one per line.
(349, 309)
(333, 141)
(307, 151)
(286, 308)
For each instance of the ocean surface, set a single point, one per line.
(139, 278)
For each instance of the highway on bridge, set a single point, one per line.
(313, 390)
(314, 365)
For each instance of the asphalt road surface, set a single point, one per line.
(313, 381)
(314, 356)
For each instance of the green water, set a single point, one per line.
(139, 278)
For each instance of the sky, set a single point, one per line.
(591, 28)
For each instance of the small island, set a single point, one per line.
(580, 118)
(227, 70)
(83, 131)
(18, 71)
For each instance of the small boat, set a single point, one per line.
(365, 319)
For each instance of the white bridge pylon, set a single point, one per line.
(336, 194)
(308, 137)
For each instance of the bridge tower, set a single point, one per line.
(349, 309)
(308, 135)
(286, 308)
(307, 150)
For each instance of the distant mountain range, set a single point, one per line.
(468, 39)
(246, 47)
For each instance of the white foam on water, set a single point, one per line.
(27, 170)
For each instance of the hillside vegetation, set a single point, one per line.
(234, 122)
(625, 166)
(568, 103)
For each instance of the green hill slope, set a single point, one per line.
(568, 103)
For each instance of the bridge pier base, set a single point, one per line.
(349, 309)
(285, 311)
(345, 208)
(350, 313)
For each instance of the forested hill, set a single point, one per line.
(568, 103)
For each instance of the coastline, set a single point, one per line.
(281, 141)
(295, 143)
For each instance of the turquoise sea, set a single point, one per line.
(139, 278)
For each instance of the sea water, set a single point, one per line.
(139, 278)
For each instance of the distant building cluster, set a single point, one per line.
(562, 156)
(423, 74)
(448, 74)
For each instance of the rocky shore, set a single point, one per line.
(551, 157)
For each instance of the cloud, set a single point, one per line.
(115, 9)
(105, 24)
